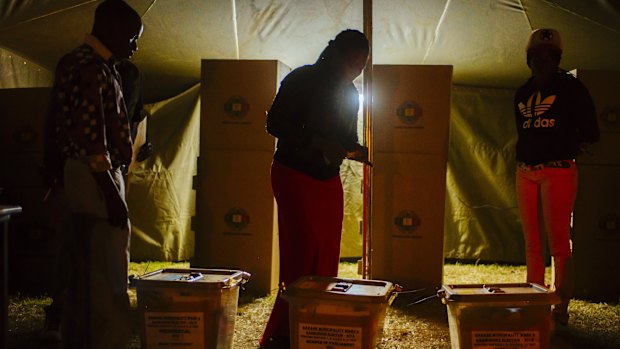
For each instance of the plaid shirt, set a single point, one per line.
(90, 114)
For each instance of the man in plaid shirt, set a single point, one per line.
(89, 130)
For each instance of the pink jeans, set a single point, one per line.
(546, 197)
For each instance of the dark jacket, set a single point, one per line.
(554, 120)
(313, 107)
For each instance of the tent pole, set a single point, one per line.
(367, 181)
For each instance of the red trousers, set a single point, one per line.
(546, 198)
(310, 213)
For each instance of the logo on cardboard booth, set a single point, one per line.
(25, 136)
(609, 223)
(237, 218)
(409, 112)
(407, 221)
(611, 117)
(236, 107)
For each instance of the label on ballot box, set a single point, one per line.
(174, 330)
(505, 339)
(315, 336)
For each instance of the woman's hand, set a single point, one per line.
(360, 153)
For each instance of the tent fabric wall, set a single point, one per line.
(161, 198)
(18, 72)
(352, 174)
(481, 214)
(484, 40)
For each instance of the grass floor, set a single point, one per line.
(407, 324)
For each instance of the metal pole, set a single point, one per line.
(367, 182)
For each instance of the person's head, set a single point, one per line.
(544, 52)
(118, 27)
(347, 54)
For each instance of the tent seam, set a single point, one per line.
(529, 22)
(49, 14)
(441, 19)
(149, 8)
(235, 27)
(550, 3)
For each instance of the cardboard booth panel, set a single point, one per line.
(234, 220)
(407, 219)
(234, 203)
(604, 152)
(597, 209)
(411, 108)
(603, 87)
(596, 237)
(234, 99)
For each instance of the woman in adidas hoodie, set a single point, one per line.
(556, 120)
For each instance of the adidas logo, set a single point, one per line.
(536, 107)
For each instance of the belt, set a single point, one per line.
(537, 167)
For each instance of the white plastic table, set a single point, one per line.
(5, 216)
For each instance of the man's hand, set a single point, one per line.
(115, 205)
(117, 212)
(360, 153)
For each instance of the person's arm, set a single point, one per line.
(516, 113)
(133, 95)
(355, 151)
(146, 149)
(587, 123)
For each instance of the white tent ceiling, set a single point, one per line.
(483, 39)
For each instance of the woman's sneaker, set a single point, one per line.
(276, 343)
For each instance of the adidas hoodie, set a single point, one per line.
(552, 121)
